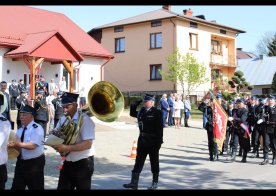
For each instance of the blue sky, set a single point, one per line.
(255, 20)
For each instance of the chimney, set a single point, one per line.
(167, 7)
(240, 49)
(188, 12)
(261, 56)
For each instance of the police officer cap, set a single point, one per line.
(60, 93)
(271, 97)
(28, 109)
(240, 101)
(254, 98)
(68, 98)
(40, 92)
(149, 97)
(219, 96)
(232, 102)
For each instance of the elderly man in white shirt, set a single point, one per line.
(187, 110)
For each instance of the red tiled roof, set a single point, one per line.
(49, 44)
(16, 22)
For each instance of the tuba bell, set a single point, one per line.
(105, 102)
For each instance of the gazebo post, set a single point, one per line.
(69, 67)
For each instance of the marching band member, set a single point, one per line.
(78, 166)
(29, 169)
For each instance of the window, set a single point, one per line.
(222, 31)
(266, 91)
(120, 44)
(156, 23)
(215, 47)
(155, 72)
(193, 24)
(193, 41)
(118, 29)
(155, 40)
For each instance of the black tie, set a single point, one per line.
(23, 133)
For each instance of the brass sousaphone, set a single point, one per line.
(12, 152)
(105, 102)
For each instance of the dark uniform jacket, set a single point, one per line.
(150, 125)
(41, 110)
(209, 114)
(240, 116)
(20, 103)
(58, 108)
(252, 118)
(270, 118)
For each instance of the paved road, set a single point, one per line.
(183, 161)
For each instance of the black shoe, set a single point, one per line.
(243, 160)
(153, 186)
(265, 162)
(211, 158)
(221, 153)
(273, 162)
(216, 157)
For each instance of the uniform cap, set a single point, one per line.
(271, 97)
(232, 102)
(149, 97)
(219, 96)
(254, 98)
(240, 101)
(68, 98)
(60, 93)
(28, 109)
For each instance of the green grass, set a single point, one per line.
(196, 114)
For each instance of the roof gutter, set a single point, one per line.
(104, 65)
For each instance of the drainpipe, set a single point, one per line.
(104, 65)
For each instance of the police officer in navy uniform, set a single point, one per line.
(252, 105)
(21, 101)
(58, 108)
(269, 132)
(150, 139)
(239, 133)
(78, 166)
(5, 129)
(206, 107)
(29, 169)
(42, 113)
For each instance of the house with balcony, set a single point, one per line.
(141, 45)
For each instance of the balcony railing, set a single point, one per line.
(224, 60)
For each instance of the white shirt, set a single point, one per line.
(87, 132)
(5, 129)
(62, 85)
(33, 134)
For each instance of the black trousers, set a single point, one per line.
(13, 102)
(212, 145)
(144, 149)
(269, 141)
(29, 173)
(3, 176)
(238, 138)
(76, 174)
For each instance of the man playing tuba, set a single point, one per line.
(5, 129)
(78, 166)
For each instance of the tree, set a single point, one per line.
(273, 85)
(272, 47)
(185, 69)
(239, 82)
(261, 47)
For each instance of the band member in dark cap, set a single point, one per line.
(58, 108)
(78, 166)
(42, 113)
(5, 129)
(21, 101)
(29, 169)
(150, 139)
(269, 131)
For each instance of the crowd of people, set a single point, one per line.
(174, 108)
(251, 123)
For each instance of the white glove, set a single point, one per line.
(260, 121)
(230, 118)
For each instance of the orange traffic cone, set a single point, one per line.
(133, 153)
(61, 163)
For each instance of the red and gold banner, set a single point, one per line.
(219, 123)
